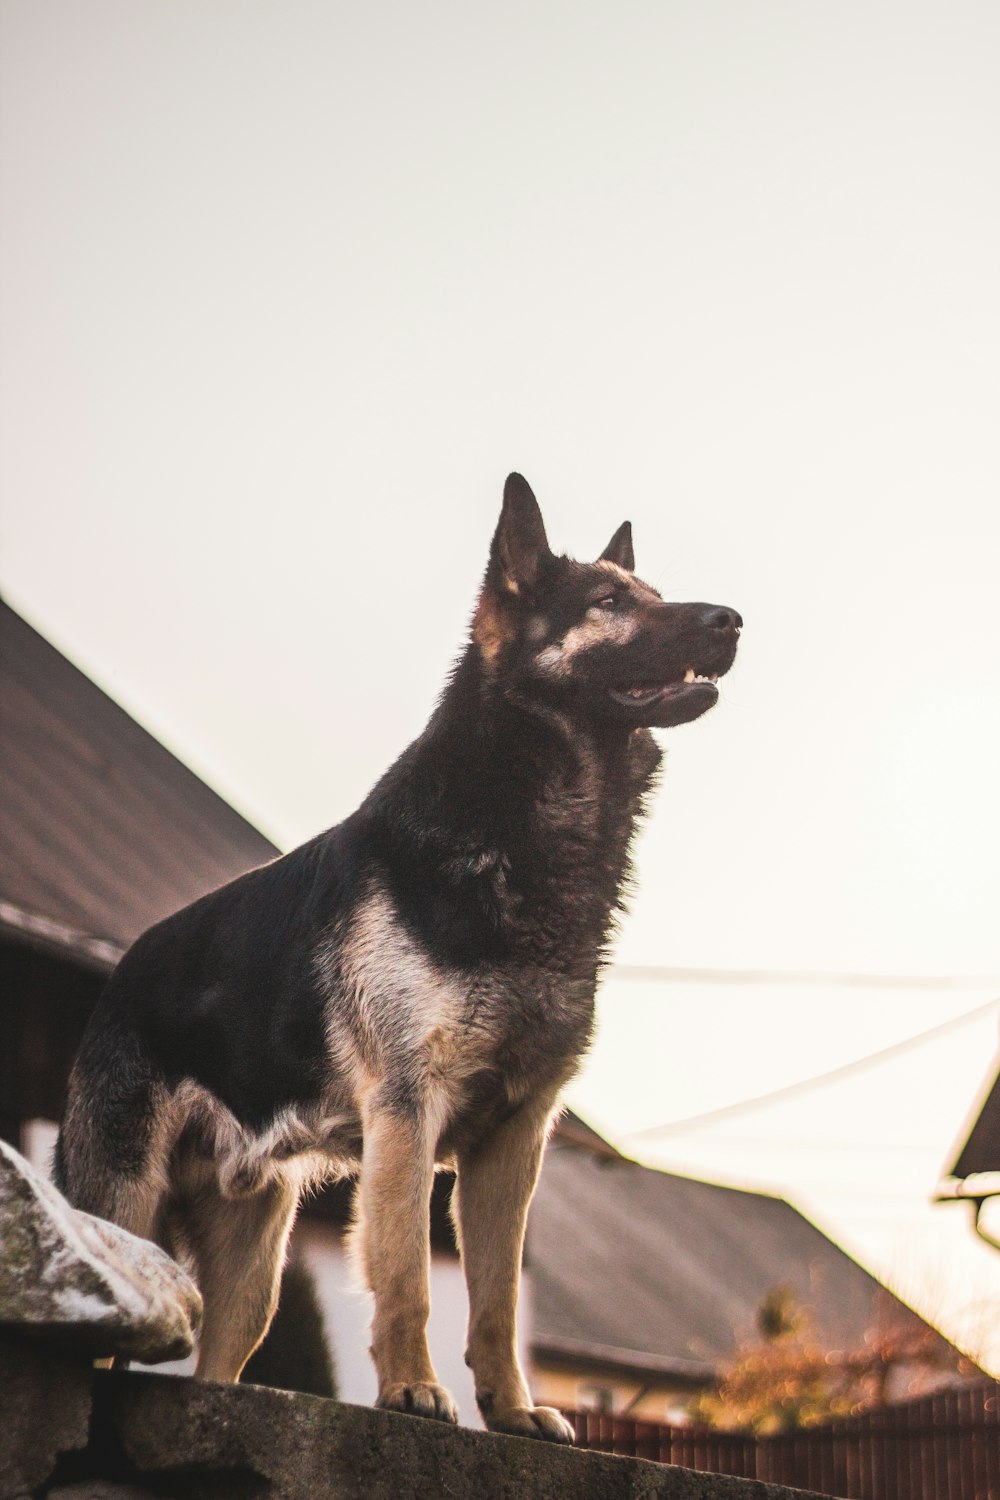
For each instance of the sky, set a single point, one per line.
(288, 288)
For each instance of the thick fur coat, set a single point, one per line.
(410, 989)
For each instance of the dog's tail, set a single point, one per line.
(112, 1153)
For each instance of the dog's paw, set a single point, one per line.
(532, 1421)
(421, 1399)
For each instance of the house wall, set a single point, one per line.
(601, 1390)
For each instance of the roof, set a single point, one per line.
(105, 831)
(662, 1274)
(976, 1169)
(570, 1128)
(981, 1152)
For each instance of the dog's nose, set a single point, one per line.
(717, 617)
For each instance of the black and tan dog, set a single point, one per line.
(412, 988)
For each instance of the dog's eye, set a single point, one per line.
(606, 601)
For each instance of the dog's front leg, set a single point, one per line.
(397, 1173)
(495, 1184)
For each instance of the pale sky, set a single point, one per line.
(287, 288)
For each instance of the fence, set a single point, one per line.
(942, 1447)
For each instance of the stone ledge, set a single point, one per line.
(45, 1402)
(192, 1440)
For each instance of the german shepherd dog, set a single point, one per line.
(411, 989)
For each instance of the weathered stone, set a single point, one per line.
(211, 1441)
(85, 1283)
(176, 1439)
(44, 1411)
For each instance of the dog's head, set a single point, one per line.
(591, 638)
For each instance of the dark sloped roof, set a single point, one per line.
(104, 831)
(663, 1274)
(981, 1151)
(569, 1127)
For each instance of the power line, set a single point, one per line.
(870, 1148)
(846, 1070)
(663, 974)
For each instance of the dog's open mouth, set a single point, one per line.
(645, 695)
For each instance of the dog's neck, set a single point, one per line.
(514, 753)
(518, 807)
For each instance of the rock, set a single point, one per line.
(82, 1282)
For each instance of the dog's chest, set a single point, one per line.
(520, 1035)
(396, 1012)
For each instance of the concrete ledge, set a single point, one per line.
(222, 1440)
(181, 1439)
(45, 1401)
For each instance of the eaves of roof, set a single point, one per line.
(51, 936)
(579, 1354)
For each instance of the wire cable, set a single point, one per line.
(663, 974)
(846, 1070)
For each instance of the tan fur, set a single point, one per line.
(617, 629)
(393, 1231)
(495, 1185)
(299, 1146)
(240, 1292)
(488, 630)
(391, 979)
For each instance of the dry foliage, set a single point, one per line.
(781, 1378)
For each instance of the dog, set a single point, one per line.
(411, 989)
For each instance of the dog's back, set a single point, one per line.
(212, 1027)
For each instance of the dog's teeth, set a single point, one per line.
(689, 675)
(714, 677)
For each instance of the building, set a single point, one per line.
(644, 1282)
(974, 1173)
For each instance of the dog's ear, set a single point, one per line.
(619, 549)
(520, 546)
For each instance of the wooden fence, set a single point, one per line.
(942, 1447)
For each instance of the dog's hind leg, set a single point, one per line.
(393, 1236)
(238, 1246)
(490, 1207)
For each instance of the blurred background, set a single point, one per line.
(286, 291)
